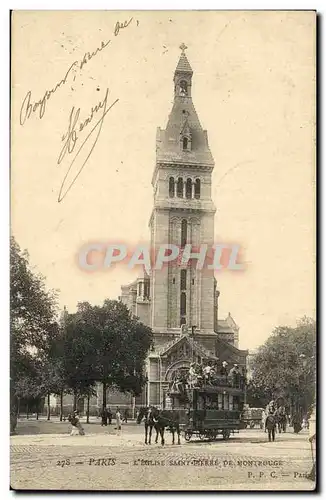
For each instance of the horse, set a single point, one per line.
(167, 419)
(270, 425)
(147, 414)
(160, 420)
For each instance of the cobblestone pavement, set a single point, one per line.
(121, 461)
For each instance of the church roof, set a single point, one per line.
(185, 338)
(183, 64)
(168, 141)
(227, 325)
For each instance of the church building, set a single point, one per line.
(180, 302)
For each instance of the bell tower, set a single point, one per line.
(183, 213)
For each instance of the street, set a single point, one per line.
(45, 457)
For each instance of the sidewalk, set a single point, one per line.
(55, 418)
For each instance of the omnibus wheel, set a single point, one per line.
(226, 434)
(188, 435)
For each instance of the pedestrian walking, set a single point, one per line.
(125, 416)
(118, 419)
(271, 425)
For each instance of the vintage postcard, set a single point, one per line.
(163, 309)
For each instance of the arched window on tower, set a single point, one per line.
(180, 187)
(183, 232)
(197, 188)
(188, 188)
(183, 88)
(183, 279)
(185, 144)
(171, 187)
(183, 304)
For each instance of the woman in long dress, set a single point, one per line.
(76, 425)
(118, 419)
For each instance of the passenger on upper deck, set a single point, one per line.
(207, 371)
(234, 376)
(192, 377)
(224, 371)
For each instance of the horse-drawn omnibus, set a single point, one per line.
(211, 410)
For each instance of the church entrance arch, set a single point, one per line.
(177, 368)
(174, 371)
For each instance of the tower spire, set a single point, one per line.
(183, 47)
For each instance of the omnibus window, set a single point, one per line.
(220, 401)
(230, 402)
(225, 401)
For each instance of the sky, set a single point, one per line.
(254, 92)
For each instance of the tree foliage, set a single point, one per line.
(33, 326)
(96, 344)
(106, 344)
(285, 366)
(32, 309)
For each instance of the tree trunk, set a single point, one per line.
(27, 411)
(104, 394)
(18, 407)
(61, 405)
(87, 411)
(48, 409)
(37, 410)
(75, 401)
(13, 414)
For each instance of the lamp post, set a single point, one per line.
(303, 360)
(193, 342)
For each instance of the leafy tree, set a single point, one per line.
(79, 358)
(32, 323)
(285, 367)
(29, 388)
(119, 345)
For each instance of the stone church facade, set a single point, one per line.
(179, 302)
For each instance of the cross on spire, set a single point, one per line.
(183, 47)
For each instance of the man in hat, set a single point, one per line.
(223, 370)
(207, 372)
(234, 375)
(192, 376)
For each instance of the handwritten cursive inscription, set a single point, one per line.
(88, 56)
(80, 153)
(29, 107)
(119, 26)
(70, 142)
